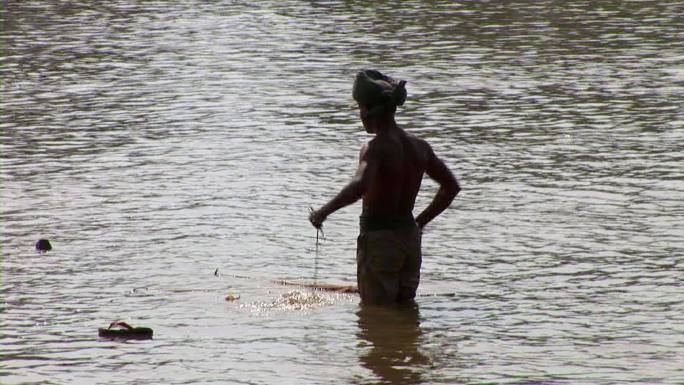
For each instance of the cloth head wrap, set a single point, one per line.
(378, 91)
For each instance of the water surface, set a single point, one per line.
(170, 151)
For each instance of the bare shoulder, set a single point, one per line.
(420, 142)
(421, 146)
(372, 151)
(375, 147)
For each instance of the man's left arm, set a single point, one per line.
(352, 192)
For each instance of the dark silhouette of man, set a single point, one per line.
(388, 177)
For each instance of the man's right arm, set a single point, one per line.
(448, 189)
(354, 190)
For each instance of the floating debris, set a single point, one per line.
(123, 331)
(43, 245)
(350, 289)
(232, 297)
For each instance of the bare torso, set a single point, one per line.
(388, 177)
(400, 161)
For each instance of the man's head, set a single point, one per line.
(378, 96)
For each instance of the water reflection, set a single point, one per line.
(394, 335)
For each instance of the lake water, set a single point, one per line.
(171, 150)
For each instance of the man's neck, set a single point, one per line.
(386, 127)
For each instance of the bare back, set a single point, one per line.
(399, 161)
(388, 178)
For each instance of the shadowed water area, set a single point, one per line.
(170, 151)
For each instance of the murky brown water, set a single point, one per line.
(155, 142)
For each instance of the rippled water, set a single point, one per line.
(170, 151)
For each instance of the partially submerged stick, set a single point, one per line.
(350, 289)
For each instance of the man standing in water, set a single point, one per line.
(388, 177)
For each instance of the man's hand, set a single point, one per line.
(448, 189)
(316, 218)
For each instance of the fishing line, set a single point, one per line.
(319, 236)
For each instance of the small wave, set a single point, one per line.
(296, 300)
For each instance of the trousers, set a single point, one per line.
(388, 263)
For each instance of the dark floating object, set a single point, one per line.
(123, 331)
(232, 297)
(43, 245)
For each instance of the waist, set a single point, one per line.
(385, 222)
